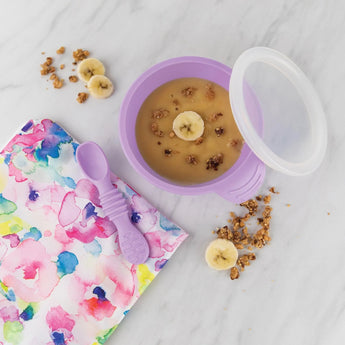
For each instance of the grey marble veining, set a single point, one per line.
(294, 293)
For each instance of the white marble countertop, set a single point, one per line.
(294, 292)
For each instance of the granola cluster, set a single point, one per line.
(168, 152)
(73, 78)
(236, 144)
(244, 239)
(160, 113)
(57, 83)
(157, 115)
(80, 55)
(219, 131)
(199, 141)
(214, 161)
(82, 97)
(155, 130)
(210, 94)
(192, 159)
(61, 50)
(251, 205)
(215, 117)
(188, 91)
(48, 68)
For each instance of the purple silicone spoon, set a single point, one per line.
(95, 166)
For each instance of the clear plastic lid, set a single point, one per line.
(291, 133)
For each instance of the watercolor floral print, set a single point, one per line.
(63, 279)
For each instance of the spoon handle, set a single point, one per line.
(113, 204)
(133, 244)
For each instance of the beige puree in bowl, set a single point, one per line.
(181, 161)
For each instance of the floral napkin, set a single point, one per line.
(63, 279)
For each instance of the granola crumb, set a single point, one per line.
(62, 66)
(234, 273)
(215, 116)
(288, 205)
(155, 129)
(267, 212)
(159, 143)
(199, 141)
(214, 161)
(219, 131)
(192, 159)
(243, 261)
(53, 76)
(43, 53)
(73, 69)
(188, 91)
(210, 94)
(82, 97)
(328, 213)
(251, 256)
(154, 126)
(224, 233)
(251, 205)
(259, 197)
(61, 50)
(167, 152)
(171, 134)
(47, 66)
(44, 71)
(80, 55)
(73, 78)
(272, 190)
(236, 144)
(267, 199)
(160, 113)
(58, 83)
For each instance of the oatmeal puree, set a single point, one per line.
(188, 162)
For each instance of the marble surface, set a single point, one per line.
(294, 293)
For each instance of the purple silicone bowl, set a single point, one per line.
(242, 180)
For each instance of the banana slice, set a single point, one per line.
(100, 86)
(221, 254)
(90, 67)
(188, 125)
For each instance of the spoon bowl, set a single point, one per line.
(93, 162)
